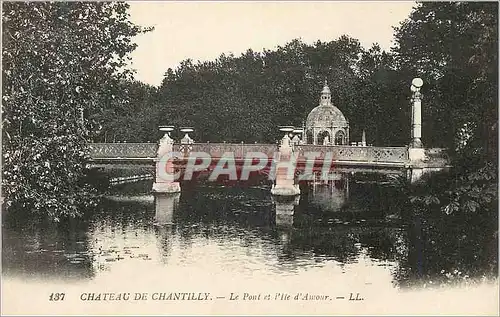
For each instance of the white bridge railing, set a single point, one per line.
(339, 153)
(359, 153)
(239, 150)
(122, 150)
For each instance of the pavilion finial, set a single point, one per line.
(326, 95)
(326, 89)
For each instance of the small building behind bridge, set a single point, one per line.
(326, 124)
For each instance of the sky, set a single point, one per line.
(204, 30)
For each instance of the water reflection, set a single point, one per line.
(339, 226)
(165, 206)
(285, 209)
(39, 249)
(331, 195)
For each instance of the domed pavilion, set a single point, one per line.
(325, 124)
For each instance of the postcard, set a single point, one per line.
(249, 158)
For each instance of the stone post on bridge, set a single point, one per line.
(186, 139)
(165, 181)
(285, 168)
(416, 151)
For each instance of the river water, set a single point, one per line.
(339, 239)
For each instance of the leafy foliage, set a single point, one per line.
(453, 46)
(132, 116)
(458, 192)
(62, 63)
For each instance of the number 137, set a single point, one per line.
(56, 296)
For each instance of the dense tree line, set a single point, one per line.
(454, 47)
(246, 97)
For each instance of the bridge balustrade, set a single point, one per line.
(123, 150)
(339, 152)
(216, 150)
(360, 153)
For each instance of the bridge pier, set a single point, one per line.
(284, 215)
(165, 172)
(415, 174)
(285, 171)
(285, 211)
(166, 187)
(417, 165)
(165, 207)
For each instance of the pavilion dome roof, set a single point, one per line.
(326, 114)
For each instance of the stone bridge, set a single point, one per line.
(290, 155)
(392, 160)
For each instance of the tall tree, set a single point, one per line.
(61, 64)
(453, 47)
